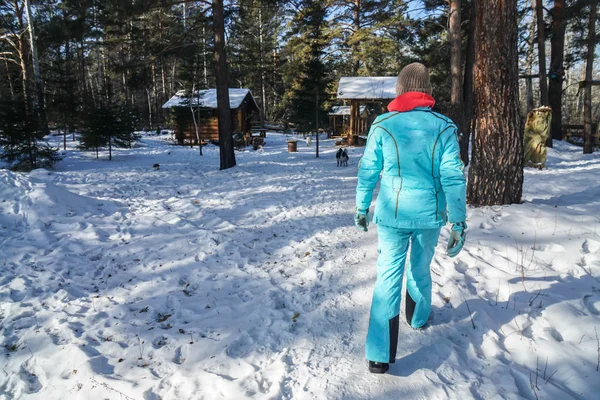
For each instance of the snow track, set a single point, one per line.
(119, 281)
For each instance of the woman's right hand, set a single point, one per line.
(361, 220)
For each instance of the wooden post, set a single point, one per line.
(240, 116)
(332, 124)
(353, 106)
(354, 121)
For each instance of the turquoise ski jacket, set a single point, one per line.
(416, 154)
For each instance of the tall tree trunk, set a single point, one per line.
(588, 138)
(100, 84)
(468, 86)
(317, 119)
(39, 84)
(194, 119)
(227, 153)
(149, 100)
(539, 10)
(204, 62)
(9, 78)
(456, 95)
(263, 91)
(356, 43)
(529, 61)
(580, 95)
(557, 71)
(496, 172)
(22, 53)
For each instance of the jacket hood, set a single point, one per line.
(411, 100)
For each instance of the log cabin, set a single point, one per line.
(204, 104)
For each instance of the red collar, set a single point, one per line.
(411, 100)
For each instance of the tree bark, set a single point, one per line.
(539, 10)
(588, 138)
(468, 86)
(225, 126)
(557, 71)
(456, 95)
(496, 172)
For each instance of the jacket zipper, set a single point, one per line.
(399, 175)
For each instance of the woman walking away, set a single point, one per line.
(422, 187)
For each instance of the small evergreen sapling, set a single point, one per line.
(108, 126)
(21, 140)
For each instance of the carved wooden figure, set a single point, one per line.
(537, 130)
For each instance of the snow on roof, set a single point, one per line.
(367, 88)
(208, 98)
(345, 110)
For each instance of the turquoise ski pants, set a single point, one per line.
(382, 337)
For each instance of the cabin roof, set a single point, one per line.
(367, 88)
(208, 99)
(345, 110)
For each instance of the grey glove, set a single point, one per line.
(457, 238)
(361, 220)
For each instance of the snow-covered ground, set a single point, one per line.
(118, 281)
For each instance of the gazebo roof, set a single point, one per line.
(367, 88)
(345, 110)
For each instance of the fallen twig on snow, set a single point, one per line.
(534, 298)
(110, 389)
(470, 314)
(550, 377)
(140, 343)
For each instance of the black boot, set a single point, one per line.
(378, 368)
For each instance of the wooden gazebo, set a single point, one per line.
(356, 90)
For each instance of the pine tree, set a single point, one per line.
(108, 125)
(368, 32)
(255, 30)
(307, 71)
(22, 126)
